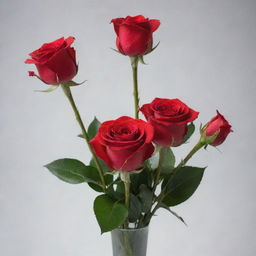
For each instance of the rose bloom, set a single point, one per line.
(55, 61)
(170, 118)
(124, 144)
(134, 34)
(218, 124)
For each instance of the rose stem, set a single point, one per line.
(161, 196)
(157, 176)
(125, 177)
(198, 146)
(134, 64)
(68, 93)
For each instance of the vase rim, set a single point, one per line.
(131, 229)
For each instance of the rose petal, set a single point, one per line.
(30, 61)
(133, 39)
(117, 22)
(100, 151)
(135, 160)
(154, 24)
(47, 75)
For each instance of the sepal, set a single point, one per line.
(73, 83)
(50, 89)
(153, 48)
(117, 51)
(206, 140)
(141, 60)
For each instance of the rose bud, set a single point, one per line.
(216, 131)
(134, 34)
(124, 144)
(170, 118)
(55, 61)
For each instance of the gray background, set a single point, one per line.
(206, 58)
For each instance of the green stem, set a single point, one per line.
(198, 146)
(125, 177)
(134, 64)
(68, 93)
(156, 182)
(161, 196)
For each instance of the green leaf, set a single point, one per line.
(116, 190)
(111, 193)
(182, 185)
(167, 164)
(108, 179)
(72, 171)
(137, 179)
(102, 164)
(95, 187)
(98, 188)
(146, 198)
(110, 214)
(168, 161)
(134, 209)
(93, 128)
(107, 175)
(120, 187)
(152, 162)
(191, 129)
(172, 212)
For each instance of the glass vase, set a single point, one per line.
(129, 242)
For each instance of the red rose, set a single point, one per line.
(218, 124)
(134, 34)
(55, 61)
(124, 144)
(169, 118)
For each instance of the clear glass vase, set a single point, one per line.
(130, 242)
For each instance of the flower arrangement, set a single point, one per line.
(132, 166)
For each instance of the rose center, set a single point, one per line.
(168, 110)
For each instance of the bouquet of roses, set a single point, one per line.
(132, 166)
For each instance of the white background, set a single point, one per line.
(206, 58)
